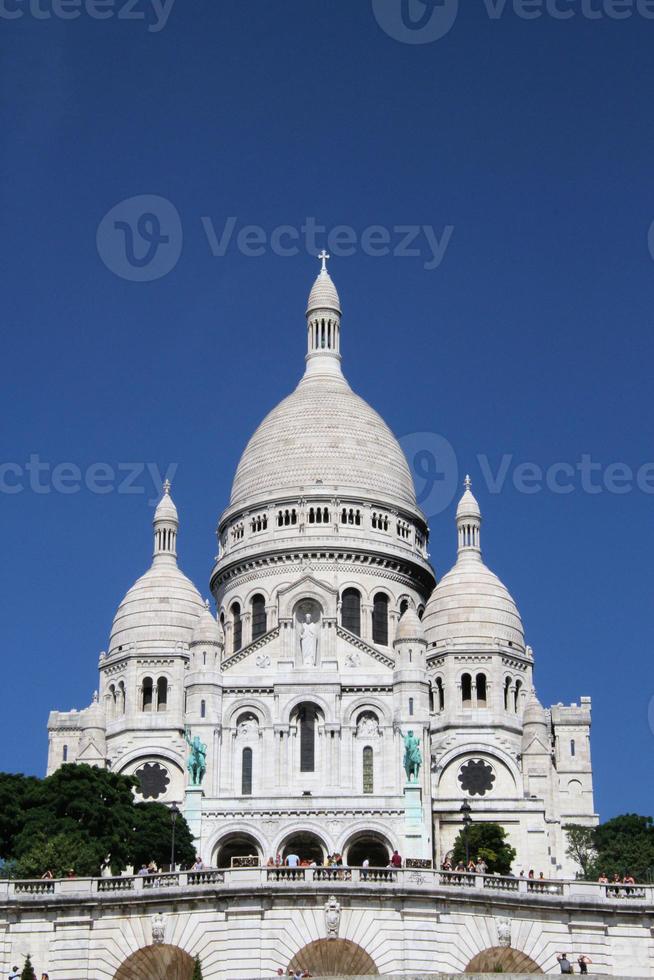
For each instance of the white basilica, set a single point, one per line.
(333, 640)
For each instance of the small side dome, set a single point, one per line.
(534, 713)
(470, 606)
(409, 627)
(208, 629)
(323, 295)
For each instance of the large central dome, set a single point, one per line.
(323, 433)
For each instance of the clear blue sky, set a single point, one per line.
(533, 139)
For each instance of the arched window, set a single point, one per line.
(258, 616)
(307, 720)
(237, 628)
(162, 694)
(203, 709)
(146, 694)
(410, 706)
(120, 697)
(380, 619)
(64, 754)
(516, 697)
(404, 605)
(466, 691)
(481, 690)
(246, 773)
(111, 702)
(507, 693)
(440, 691)
(573, 748)
(351, 611)
(368, 770)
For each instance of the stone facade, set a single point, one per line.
(332, 640)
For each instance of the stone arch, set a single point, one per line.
(502, 959)
(237, 844)
(480, 749)
(367, 703)
(311, 829)
(334, 957)
(248, 703)
(368, 843)
(161, 962)
(306, 842)
(217, 840)
(310, 697)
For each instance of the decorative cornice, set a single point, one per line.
(260, 641)
(356, 641)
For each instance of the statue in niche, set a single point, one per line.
(247, 725)
(368, 726)
(308, 617)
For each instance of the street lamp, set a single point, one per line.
(465, 811)
(174, 813)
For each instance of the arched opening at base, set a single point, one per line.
(236, 849)
(333, 958)
(370, 845)
(306, 845)
(160, 962)
(502, 959)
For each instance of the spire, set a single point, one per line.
(323, 325)
(468, 523)
(166, 526)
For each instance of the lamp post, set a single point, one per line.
(465, 811)
(174, 812)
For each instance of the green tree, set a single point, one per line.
(59, 854)
(152, 837)
(16, 793)
(625, 845)
(197, 969)
(487, 841)
(28, 970)
(79, 816)
(581, 847)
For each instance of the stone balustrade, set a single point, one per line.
(424, 879)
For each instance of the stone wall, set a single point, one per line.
(249, 922)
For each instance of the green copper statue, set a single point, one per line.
(197, 760)
(412, 757)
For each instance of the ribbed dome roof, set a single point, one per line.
(323, 433)
(409, 626)
(161, 609)
(166, 510)
(468, 506)
(470, 605)
(323, 295)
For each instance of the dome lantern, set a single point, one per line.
(166, 526)
(323, 325)
(468, 523)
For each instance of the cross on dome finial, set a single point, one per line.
(323, 258)
(166, 486)
(467, 483)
